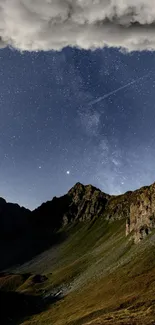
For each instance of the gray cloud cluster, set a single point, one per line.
(88, 24)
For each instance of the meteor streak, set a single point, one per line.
(117, 90)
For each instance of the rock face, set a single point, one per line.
(118, 207)
(138, 208)
(142, 213)
(87, 203)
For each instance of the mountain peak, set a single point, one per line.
(78, 185)
(2, 201)
(88, 188)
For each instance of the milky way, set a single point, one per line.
(48, 128)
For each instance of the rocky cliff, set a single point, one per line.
(138, 208)
(141, 218)
(84, 203)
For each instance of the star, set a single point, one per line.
(49, 144)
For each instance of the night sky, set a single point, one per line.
(55, 130)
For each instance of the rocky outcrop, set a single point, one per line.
(87, 203)
(138, 208)
(141, 219)
(118, 207)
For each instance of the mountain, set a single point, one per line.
(84, 258)
(86, 203)
(13, 219)
(81, 203)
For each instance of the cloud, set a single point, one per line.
(88, 24)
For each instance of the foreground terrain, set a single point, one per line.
(99, 267)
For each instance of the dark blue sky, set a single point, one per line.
(48, 125)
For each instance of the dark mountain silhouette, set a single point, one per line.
(14, 219)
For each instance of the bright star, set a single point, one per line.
(68, 172)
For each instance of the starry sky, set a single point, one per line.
(75, 116)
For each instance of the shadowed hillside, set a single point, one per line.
(13, 219)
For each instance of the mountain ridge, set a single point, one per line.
(22, 229)
(84, 203)
(80, 249)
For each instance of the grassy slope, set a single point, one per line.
(108, 279)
